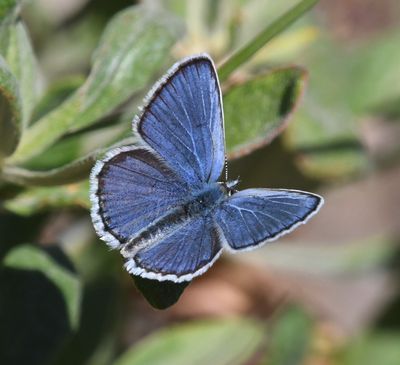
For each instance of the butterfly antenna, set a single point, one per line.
(226, 169)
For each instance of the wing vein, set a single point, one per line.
(247, 226)
(255, 211)
(200, 122)
(169, 110)
(191, 127)
(172, 133)
(182, 167)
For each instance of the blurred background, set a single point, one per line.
(317, 108)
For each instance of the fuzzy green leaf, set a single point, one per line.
(342, 258)
(377, 348)
(28, 257)
(40, 304)
(375, 73)
(10, 111)
(67, 174)
(80, 145)
(71, 172)
(8, 8)
(258, 110)
(23, 64)
(55, 95)
(326, 142)
(290, 339)
(38, 199)
(95, 341)
(218, 342)
(113, 131)
(132, 50)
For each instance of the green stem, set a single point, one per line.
(280, 24)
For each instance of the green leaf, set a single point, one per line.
(65, 151)
(113, 131)
(8, 8)
(258, 110)
(218, 342)
(160, 294)
(97, 333)
(10, 111)
(389, 109)
(324, 132)
(71, 172)
(375, 73)
(26, 257)
(366, 75)
(290, 339)
(78, 145)
(103, 305)
(55, 95)
(23, 65)
(378, 348)
(40, 304)
(326, 142)
(273, 29)
(339, 258)
(38, 199)
(133, 48)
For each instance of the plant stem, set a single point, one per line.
(280, 24)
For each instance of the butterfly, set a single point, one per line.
(161, 202)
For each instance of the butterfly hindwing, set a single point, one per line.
(180, 256)
(252, 217)
(183, 121)
(131, 188)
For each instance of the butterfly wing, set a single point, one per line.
(183, 121)
(181, 255)
(253, 217)
(130, 189)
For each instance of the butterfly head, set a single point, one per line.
(230, 186)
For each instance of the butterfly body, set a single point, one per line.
(163, 204)
(200, 204)
(205, 200)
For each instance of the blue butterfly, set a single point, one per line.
(161, 203)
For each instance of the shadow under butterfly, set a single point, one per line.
(162, 203)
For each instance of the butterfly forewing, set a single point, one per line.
(183, 121)
(131, 188)
(252, 217)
